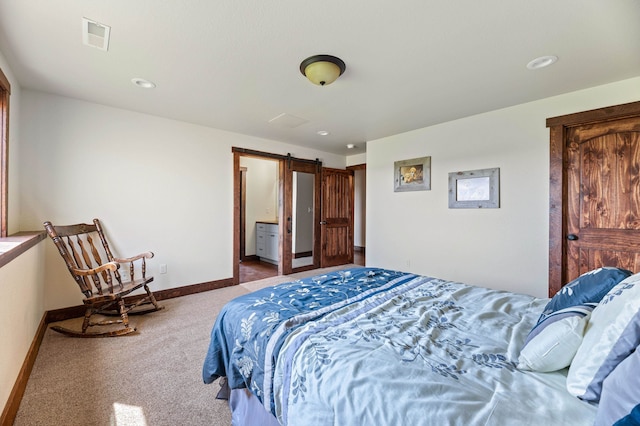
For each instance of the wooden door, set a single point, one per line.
(301, 236)
(337, 217)
(598, 190)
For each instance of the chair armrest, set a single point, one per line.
(130, 261)
(109, 266)
(146, 255)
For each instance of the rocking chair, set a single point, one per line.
(104, 285)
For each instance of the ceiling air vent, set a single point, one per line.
(95, 34)
(287, 120)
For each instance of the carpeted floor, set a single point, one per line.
(152, 377)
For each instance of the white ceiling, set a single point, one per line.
(234, 64)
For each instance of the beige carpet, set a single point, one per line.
(152, 377)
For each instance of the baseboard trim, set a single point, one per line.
(302, 254)
(15, 397)
(188, 289)
(358, 249)
(62, 314)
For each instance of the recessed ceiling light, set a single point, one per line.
(541, 62)
(351, 146)
(323, 133)
(141, 82)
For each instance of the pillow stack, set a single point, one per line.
(612, 335)
(592, 326)
(558, 334)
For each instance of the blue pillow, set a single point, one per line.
(632, 419)
(589, 287)
(621, 394)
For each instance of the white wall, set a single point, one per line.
(505, 248)
(157, 184)
(354, 160)
(262, 196)
(22, 279)
(22, 282)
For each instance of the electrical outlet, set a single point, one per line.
(163, 268)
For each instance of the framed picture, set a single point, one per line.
(412, 175)
(475, 189)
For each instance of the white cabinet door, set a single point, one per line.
(272, 242)
(267, 242)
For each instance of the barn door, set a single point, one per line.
(601, 203)
(301, 239)
(337, 217)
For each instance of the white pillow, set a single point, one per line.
(612, 333)
(553, 343)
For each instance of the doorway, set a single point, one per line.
(594, 208)
(284, 238)
(359, 213)
(337, 217)
(314, 232)
(258, 210)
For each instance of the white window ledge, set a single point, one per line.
(16, 244)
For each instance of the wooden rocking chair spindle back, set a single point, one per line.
(100, 277)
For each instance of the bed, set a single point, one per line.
(376, 346)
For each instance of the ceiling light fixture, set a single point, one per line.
(323, 133)
(322, 69)
(350, 146)
(541, 62)
(141, 82)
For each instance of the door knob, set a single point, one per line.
(324, 222)
(572, 237)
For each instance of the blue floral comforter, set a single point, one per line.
(373, 346)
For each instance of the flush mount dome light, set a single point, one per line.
(322, 69)
(141, 82)
(541, 62)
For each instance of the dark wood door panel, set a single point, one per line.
(590, 259)
(337, 248)
(602, 208)
(337, 217)
(609, 195)
(594, 192)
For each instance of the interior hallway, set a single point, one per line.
(252, 270)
